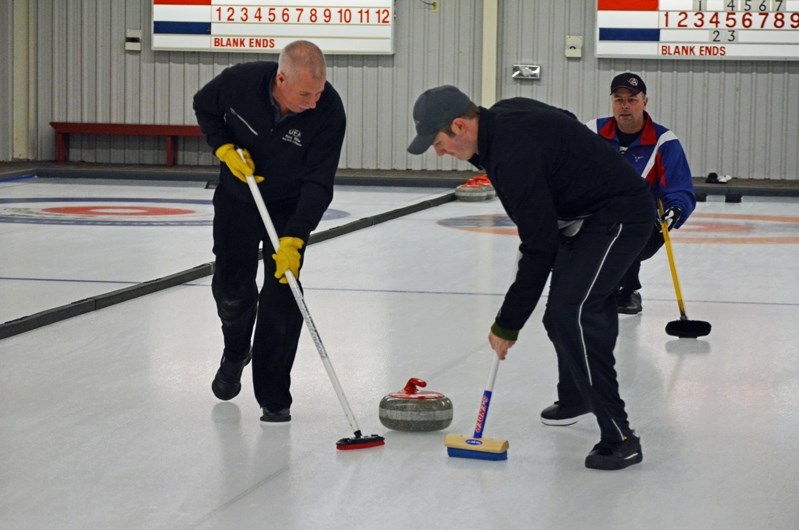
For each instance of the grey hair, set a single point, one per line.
(302, 55)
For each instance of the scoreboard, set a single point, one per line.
(267, 26)
(698, 29)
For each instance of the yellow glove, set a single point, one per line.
(288, 257)
(240, 168)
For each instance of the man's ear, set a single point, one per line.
(458, 125)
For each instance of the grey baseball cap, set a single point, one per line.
(434, 110)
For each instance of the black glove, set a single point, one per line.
(671, 215)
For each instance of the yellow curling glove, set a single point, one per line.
(228, 154)
(288, 257)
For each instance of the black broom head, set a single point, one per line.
(688, 329)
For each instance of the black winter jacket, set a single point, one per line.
(298, 157)
(547, 166)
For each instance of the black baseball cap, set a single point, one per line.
(434, 110)
(630, 81)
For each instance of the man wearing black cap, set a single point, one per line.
(656, 154)
(583, 215)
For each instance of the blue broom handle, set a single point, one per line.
(486, 401)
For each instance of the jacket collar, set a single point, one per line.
(648, 135)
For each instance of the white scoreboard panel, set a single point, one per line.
(698, 29)
(338, 27)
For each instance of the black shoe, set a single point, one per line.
(227, 382)
(281, 416)
(556, 414)
(629, 304)
(615, 455)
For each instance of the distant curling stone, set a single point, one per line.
(475, 189)
(484, 181)
(416, 410)
(470, 192)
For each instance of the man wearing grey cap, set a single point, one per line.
(583, 215)
(657, 155)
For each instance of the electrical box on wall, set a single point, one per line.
(526, 71)
(133, 40)
(574, 46)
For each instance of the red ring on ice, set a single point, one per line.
(117, 210)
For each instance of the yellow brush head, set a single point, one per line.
(469, 443)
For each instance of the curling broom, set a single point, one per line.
(359, 441)
(476, 446)
(683, 328)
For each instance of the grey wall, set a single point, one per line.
(6, 52)
(84, 74)
(734, 117)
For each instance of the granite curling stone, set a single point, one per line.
(415, 410)
(485, 182)
(471, 192)
(476, 189)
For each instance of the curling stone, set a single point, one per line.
(484, 181)
(415, 410)
(471, 192)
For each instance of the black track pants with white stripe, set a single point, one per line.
(272, 312)
(582, 321)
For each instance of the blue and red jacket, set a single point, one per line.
(658, 157)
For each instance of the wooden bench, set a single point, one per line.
(170, 132)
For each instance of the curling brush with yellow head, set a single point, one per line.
(476, 446)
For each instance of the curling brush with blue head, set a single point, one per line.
(476, 446)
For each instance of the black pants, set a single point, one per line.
(238, 233)
(630, 281)
(581, 318)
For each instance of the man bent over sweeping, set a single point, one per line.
(583, 215)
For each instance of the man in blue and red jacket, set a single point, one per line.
(656, 154)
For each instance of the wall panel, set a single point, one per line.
(6, 79)
(734, 117)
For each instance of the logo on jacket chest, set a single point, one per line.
(293, 136)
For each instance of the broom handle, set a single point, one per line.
(306, 315)
(482, 413)
(486, 401)
(664, 227)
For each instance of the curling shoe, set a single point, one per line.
(629, 304)
(557, 414)
(615, 455)
(227, 382)
(281, 416)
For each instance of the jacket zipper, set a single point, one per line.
(236, 114)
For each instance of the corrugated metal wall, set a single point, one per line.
(92, 78)
(734, 117)
(6, 51)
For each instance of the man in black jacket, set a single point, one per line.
(289, 123)
(583, 214)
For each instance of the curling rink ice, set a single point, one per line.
(107, 420)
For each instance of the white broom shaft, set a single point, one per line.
(492, 374)
(482, 413)
(306, 315)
